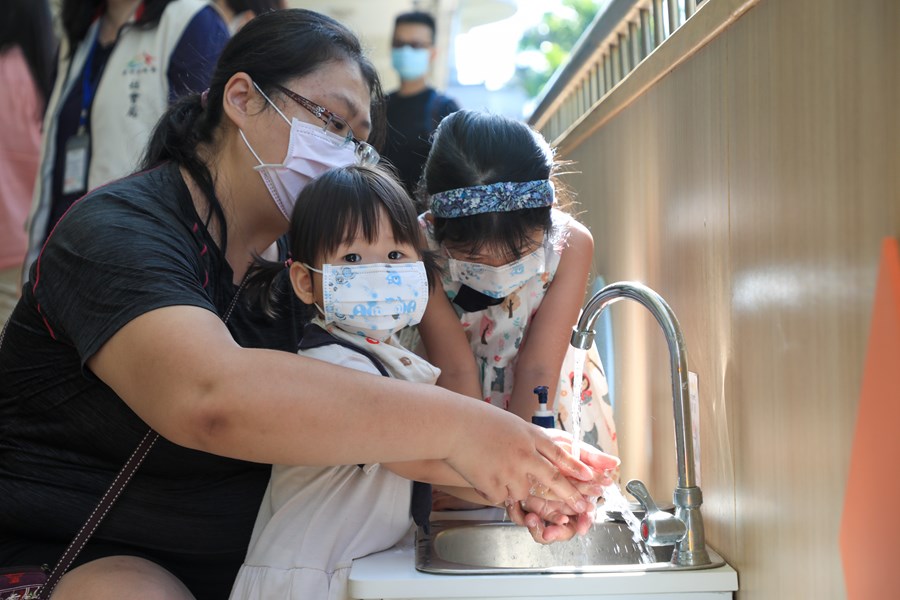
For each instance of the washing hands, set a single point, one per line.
(551, 519)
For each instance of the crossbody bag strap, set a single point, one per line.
(96, 517)
(112, 494)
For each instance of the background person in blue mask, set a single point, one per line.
(413, 111)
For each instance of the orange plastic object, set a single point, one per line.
(870, 527)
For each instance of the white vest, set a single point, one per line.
(132, 95)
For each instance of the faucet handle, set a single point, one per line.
(658, 528)
(637, 489)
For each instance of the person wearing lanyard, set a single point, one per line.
(78, 146)
(121, 63)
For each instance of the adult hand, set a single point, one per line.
(501, 456)
(547, 519)
(601, 464)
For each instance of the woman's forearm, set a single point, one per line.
(203, 391)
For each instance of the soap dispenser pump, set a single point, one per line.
(542, 417)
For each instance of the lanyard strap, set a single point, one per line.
(88, 89)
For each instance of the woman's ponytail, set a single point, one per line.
(178, 133)
(264, 284)
(175, 138)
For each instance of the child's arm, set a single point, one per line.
(446, 345)
(437, 472)
(541, 355)
(464, 493)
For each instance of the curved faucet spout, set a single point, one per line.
(687, 495)
(583, 337)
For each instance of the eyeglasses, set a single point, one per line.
(365, 153)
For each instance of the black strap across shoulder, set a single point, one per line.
(316, 337)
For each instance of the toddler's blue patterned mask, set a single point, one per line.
(374, 300)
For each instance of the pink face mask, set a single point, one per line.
(311, 151)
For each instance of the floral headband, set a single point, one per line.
(495, 197)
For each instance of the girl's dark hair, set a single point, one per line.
(77, 16)
(477, 148)
(27, 24)
(336, 207)
(272, 48)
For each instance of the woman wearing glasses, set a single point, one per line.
(134, 319)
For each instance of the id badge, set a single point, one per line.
(75, 175)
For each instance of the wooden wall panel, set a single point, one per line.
(751, 187)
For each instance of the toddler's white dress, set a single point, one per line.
(314, 521)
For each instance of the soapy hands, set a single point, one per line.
(551, 519)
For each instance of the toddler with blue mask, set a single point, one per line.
(365, 276)
(358, 264)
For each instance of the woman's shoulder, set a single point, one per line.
(157, 194)
(162, 180)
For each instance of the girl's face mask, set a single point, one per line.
(311, 151)
(374, 300)
(497, 282)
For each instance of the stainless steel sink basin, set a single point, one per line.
(492, 547)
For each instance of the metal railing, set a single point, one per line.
(615, 44)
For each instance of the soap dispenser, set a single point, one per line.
(542, 417)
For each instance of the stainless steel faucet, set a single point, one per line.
(690, 545)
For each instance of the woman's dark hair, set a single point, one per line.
(272, 48)
(477, 148)
(335, 207)
(77, 16)
(27, 25)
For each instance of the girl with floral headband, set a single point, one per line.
(515, 265)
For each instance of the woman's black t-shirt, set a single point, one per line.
(130, 247)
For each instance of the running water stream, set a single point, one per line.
(613, 500)
(577, 381)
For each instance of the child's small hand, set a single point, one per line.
(550, 519)
(549, 509)
(547, 520)
(599, 463)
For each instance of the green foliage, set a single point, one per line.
(552, 39)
